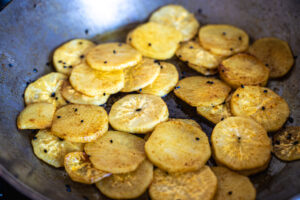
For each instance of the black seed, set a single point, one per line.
(149, 44)
(224, 102)
(267, 65)
(200, 10)
(222, 118)
(58, 117)
(23, 95)
(197, 138)
(229, 193)
(161, 67)
(45, 150)
(56, 98)
(223, 70)
(231, 49)
(81, 120)
(80, 43)
(114, 51)
(111, 141)
(68, 188)
(239, 138)
(140, 89)
(48, 63)
(120, 44)
(224, 33)
(104, 94)
(64, 63)
(67, 101)
(82, 56)
(88, 155)
(186, 62)
(191, 47)
(86, 31)
(105, 62)
(237, 95)
(263, 108)
(60, 61)
(242, 86)
(130, 39)
(70, 66)
(10, 65)
(177, 87)
(65, 66)
(210, 82)
(157, 61)
(290, 119)
(138, 109)
(34, 138)
(53, 94)
(265, 91)
(295, 57)
(60, 139)
(296, 142)
(75, 109)
(277, 142)
(34, 5)
(179, 56)
(35, 70)
(289, 136)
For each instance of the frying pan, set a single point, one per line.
(31, 30)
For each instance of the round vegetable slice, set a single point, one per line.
(81, 170)
(116, 152)
(71, 54)
(177, 17)
(222, 39)
(80, 123)
(202, 91)
(203, 70)
(156, 40)
(141, 75)
(255, 170)
(165, 82)
(275, 54)
(215, 114)
(113, 56)
(243, 69)
(138, 113)
(176, 146)
(129, 185)
(240, 143)
(188, 121)
(261, 104)
(52, 149)
(200, 184)
(233, 186)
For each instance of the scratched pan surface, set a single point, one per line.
(31, 30)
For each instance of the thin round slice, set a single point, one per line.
(176, 146)
(240, 143)
(113, 56)
(46, 89)
(81, 170)
(52, 149)
(243, 69)
(165, 82)
(224, 40)
(116, 152)
(257, 170)
(202, 91)
(94, 83)
(73, 96)
(36, 116)
(203, 70)
(215, 114)
(286, 144)
(261, 104)
(156, 40)
(71, 54)
(200, 184)
(129, 185)
(80, 123)
(141, 75)
(188, 121)
(275, 54)
(177, 17)
(233, 186)
(138, 113)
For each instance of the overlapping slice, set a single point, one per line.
(93, 82)
(224, 40)
(232, 185)
(203, 70)
(113, 56)
(71, 54)
(165, 82)
(138, 113)
(116, 152)
(52, 149)
(81, 170)
(141, 75)
(261, 104)
(257, 170)
(215, 114)
(202, 91)
(188, 121)
(129, 185)
(46, 89)
(275, 54)
(73, 96)
(200, 184)
(176, 146)
(36, 116)
(80, 123)
(240, 143)
(243, 69)
(156, 40)
(177, 17)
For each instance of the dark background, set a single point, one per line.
(7, 192)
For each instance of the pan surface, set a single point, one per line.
(31, 30)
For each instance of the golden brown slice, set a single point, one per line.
(129, 185)
(113, 56)
(257, 170)
(215, 114)
(116, 152)
(36, 116)
(81, 170)
(176, 146)
(200, 184)
(71, 54)
(261, 104)
(46, 89)
(243, 69)
(80, 123)
(233, 186)
(275, 54)
(52, 149)
(138, 113)
(202, 91)
(156, 40)
(286, 144)
(188, 121)
(141, 75)
(203, 70)
(165, 82)
(177, 17)
(94, 83)
(240, 143)
(129, 38)
(222, 39)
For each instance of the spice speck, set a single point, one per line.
(265, 91)
(114, 52)
(81, 56)
(81, 120)
(68, 188)
(58, 117)
(35, 70)
(105, 62)
(53, 94)
(149, 44)
(45, 150)
(263, 108)
(224, 33)
(197, 138)
(34, 138)
(86, 31)
(111, 141)
(138, 109)
(10, 65)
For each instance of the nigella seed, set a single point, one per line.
(60, 61)
(289, 136)
(67, 101)
(149, 44)
(60, 139)
(65, 66)
(157, 62)
(267, 65)
(35, 70)
(223, 70)
(56, 98)
(105, 62)
(197, 138)
(75, 109)
(34, 138)
(290, 119)
(161, 67)
(111, 141)
(114, 52)
(68, 188)
(263, 108)
(82, 56)
(138, 109)
(229, 193)
(58, 117)
(231, 49)
(224, 102)
(10, 65)
(104, 94)
(177, 87)
(222, 118)
(130, 39)
(265, 91)
(48, 63)
(191, 47)
(120, 44)
(179, 56)
(86, 31)
(240, 38)
(296, 142)
(70, 66)
(81, 121)
(53, 94)
(237, 95)
(140, 89)
(210, 82)
(242, 86)
(80, 43)
(239, 138)
(277, 142)
(224, 33)
(200, 10)
(64, 63)
(45, 150)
